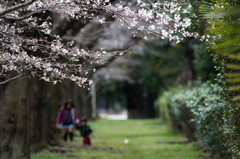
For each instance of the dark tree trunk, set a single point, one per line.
(85, 102)
(189, 73)
(44, 108)
(14, 121)
(148, 105)
(134, 100)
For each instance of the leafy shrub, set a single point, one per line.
(174, 111)
(198, 112)
(163, 103)
(208, 108)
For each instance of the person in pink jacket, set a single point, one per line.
(67, 118)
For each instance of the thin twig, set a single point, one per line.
(25, 16)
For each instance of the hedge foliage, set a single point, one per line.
(198, 112)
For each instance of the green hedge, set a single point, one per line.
(232, 129)
(198, 112)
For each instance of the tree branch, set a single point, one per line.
(16, 7)
(10, 79)
(25, 16)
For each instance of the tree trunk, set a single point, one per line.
(14, 121)
(189, 73)
(94, 101)
(134, 100)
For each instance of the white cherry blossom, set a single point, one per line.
(46, 56)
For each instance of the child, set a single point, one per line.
(85, 131)
(67, 118)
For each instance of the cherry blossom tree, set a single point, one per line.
(30, 47)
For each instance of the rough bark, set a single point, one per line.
(14, 120)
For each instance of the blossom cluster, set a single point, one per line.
(28, 42)
(168, 20)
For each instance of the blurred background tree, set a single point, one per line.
(153, 68)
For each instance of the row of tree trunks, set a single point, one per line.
(28, 111)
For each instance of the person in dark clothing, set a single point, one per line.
(85, 131)
(67, 118)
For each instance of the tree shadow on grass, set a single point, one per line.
(173, 142)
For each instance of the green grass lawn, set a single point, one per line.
(148, 139)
